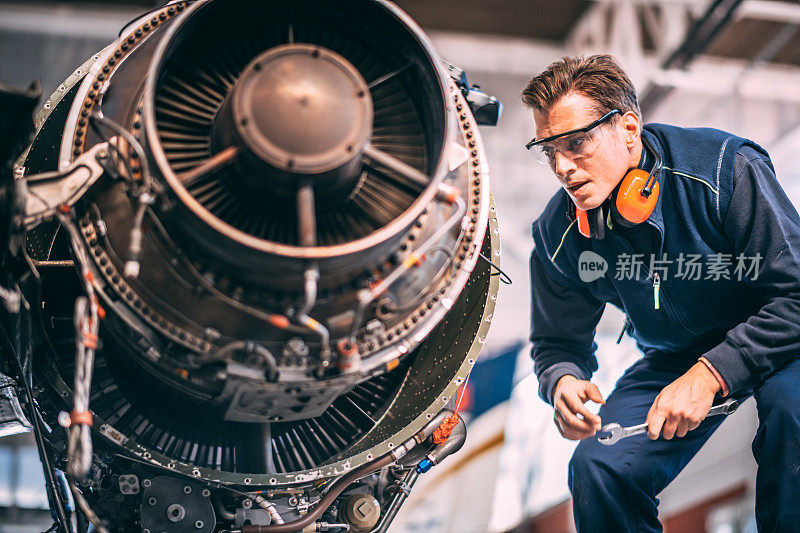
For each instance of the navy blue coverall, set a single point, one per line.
(714, 272)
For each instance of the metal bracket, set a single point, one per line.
(48, 191)
(12, 419)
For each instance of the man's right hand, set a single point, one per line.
(572, 419)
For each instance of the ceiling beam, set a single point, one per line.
(495, 54)
(771, 10)
(716, 17)
(724, 77)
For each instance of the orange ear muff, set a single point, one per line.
(583, 223)
(631, 203)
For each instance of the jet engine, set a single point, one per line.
(254, 265)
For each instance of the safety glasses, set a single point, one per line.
(573, 144)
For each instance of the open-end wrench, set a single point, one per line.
(617, 432)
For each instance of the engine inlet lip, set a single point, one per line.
(391, 230)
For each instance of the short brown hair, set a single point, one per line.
(598, 77)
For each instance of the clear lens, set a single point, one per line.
(575, 146)
(542, 154)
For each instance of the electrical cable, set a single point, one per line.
(121, 159)
(51, 485)
(278, 321)
(86, 509)
(367, 296)
(145, 193)
(505, 278)
(147, 181)
(433, 285)
(79, 442)
(87, 317)
(337, 488)
(225, 352)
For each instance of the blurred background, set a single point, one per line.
(728, 64)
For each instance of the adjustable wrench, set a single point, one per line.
(617, 432)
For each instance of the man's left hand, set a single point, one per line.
(683, 404)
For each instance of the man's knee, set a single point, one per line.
(594, 466)
(609, 468)
(778, 401)
(776, 448)
(581, 464)
(588, 480)
(782, 413)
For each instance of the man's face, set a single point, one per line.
(589, 180)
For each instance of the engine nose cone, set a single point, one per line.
(303, 109)
(302, 112)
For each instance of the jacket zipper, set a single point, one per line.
(675, 312)
(656, 289)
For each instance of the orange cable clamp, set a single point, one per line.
(445, 428)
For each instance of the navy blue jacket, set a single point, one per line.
(720, 207)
